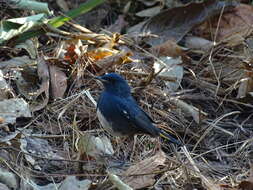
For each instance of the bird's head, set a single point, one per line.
(115, 84)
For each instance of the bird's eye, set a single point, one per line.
(110, 80)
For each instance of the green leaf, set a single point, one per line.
(37, 7)
(13, 27)
(83, 8)
(60, 20)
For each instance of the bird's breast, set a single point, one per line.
(106, 124)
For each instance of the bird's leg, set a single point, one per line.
(124, 145)
(128, 147)
(158, 146)
(133, 147)
(120, 145)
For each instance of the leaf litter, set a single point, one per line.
(200, 91)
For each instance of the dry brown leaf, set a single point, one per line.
(247, 184)
(173, 24)
(120, 58)
(43, 74)
(100, 53)
(232, 26)
(73, 49)
(187, 108)
(138, 178)
(26, 82)
(168, 48)
(237, 22)
(119, 24)
(58, 81)
(198, 43)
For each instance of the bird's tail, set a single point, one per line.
(168, 137)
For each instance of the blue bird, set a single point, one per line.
(120, 115)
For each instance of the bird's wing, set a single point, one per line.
(148, 116)
(131, 111)
(143, 111)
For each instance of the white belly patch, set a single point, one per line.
(106, 125)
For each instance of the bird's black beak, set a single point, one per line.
(101, 79)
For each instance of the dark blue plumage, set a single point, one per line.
(119, 113)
